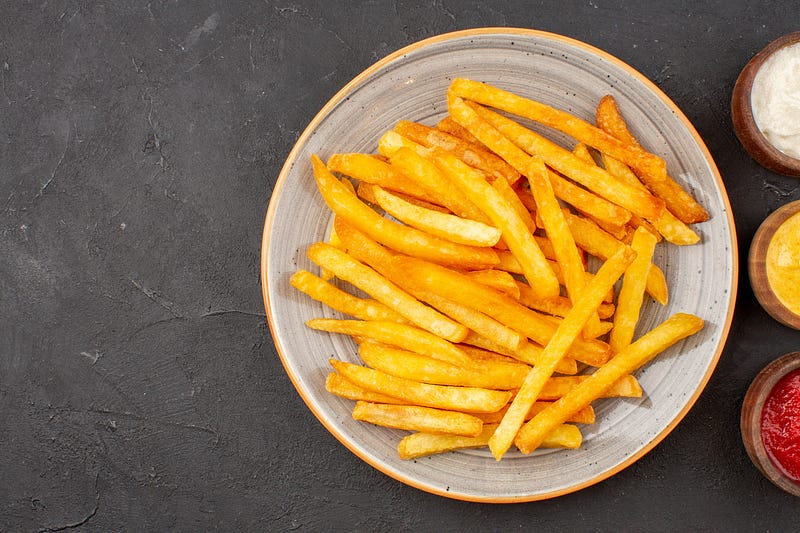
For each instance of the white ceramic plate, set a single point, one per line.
(411, 84)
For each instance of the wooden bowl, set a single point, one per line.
(744, 124)
(751, 419)
(757, 268)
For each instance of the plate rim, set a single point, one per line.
(361, 77)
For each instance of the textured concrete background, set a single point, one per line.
(139, 386)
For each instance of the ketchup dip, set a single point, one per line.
(780, 425)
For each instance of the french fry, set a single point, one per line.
(600, 244)
(459, 288)
(505, 217)
(480, 354)
(558, 232)
(675, 328)
(370, 252)
(528, 353)
(631, 295)
(678, 201)
(470, 153)
(342, 301)
(369, 169)
(579, 129)
(409, 365)
(469, 399)
(584, 416)
(590, 176)
(667, 224)
(359, 275)
(337, 385)
(498, 279)
(409, 337)
(416, 418)
(449, 227)
(510, 196)
(565, 335)
(366, 191)
(402, 238)
(558, 386)
(558, 306)
(421, 444)
(448, 125)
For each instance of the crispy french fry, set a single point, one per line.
(678, 201)
(584, 416)
(336, 384)
(448, 125)
(366, 191)
(565, 335)
(600, 244)
(449, 227)
(370, 252)
(631, 295)
(459, 288)
(409, 365)
(470, 399)
(667, 224)
(416, 418)
(505, 217)
(342, 301)
(369, 169)
(558, 386)
(590, 176)
(527, 353)
(402, 238)
(359, 275)
(558, 306)
(675, 328)
(422, 444)
(499, 279)
(472, 154)
(409, 337)
(581, 130)
(510, 196)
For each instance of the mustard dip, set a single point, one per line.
(783, 263)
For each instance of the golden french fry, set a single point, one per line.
(337, 385)
(504, 216)
(409, 365)
(342, 301)
(409, 337)
(416, 418)
(565, 335)
(469, 399)
(510, 196)
(558, 306)
(667, 224)
(600, 244)
(678, 201)
(590, 176)
(422, 444)
(359, 275)
(584, 416)
(448, 125)
(461, 289)
(449, 227)
(402, 238)
(370, 252)
(675, 328)
(527, 353)
(631, 295)
(366, 191)
(498, 279)
(581, 130)
(472, 154)
(558, 386)
(567, 255)
(369, 169)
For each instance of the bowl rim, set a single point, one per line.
(744, 124)
(507, 31)
(750, 422)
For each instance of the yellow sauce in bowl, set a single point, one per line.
(783, 263)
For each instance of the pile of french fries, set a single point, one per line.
(482, 325)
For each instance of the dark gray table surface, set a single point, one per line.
(139, 385)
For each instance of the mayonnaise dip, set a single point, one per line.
(775, 100)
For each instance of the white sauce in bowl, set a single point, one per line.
(775, 100)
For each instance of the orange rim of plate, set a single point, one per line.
(341, 94)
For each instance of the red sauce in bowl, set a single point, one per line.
(780, 425)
